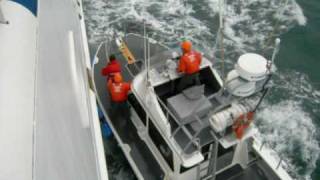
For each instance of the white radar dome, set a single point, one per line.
(252, 67)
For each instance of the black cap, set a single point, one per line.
(112, 57)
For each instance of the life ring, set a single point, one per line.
(242, 123)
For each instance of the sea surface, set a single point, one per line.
(289, 118)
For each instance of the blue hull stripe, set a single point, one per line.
(31, 5)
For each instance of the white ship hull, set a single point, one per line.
(48, 120)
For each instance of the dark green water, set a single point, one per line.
(300, 53)
(289, 119)
(301, 45)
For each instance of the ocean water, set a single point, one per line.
(289, 118)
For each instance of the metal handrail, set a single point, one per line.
(263, 144)
(168, 111)
(193, 138)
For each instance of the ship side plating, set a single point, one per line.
(48, 119)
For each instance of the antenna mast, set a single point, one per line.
(221, 38)
(146, 50)
(185, 20)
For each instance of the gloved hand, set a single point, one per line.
(175, 56)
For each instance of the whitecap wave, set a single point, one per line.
(292, 133)
(250, 25)
(286, 121)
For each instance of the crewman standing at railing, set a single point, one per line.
(112, 67)
(189, 65)
(118, 91)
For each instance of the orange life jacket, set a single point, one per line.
(190, 62)
(242, 123)
(118, 91)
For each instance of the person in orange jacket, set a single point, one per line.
(118, 91)
(189, 65)
(112, 67)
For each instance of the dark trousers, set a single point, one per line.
(188, 80)
(121, 110)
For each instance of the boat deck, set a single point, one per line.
(141, 155)
(125, 129)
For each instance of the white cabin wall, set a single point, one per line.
(149, 98)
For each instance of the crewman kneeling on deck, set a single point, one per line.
(112, 67)
(189, 65)
(119, 94)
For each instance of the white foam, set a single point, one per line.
(167, 21)
(250, 24)
(291, 132)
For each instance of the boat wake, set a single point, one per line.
(286, 123)
(286, 118)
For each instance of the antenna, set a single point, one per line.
(185, 20)
(148, 61)
(221, 13)
(276, 49)
(269, 66)
(106, 47)
(146, 50)
(144, 44)
(221, 38)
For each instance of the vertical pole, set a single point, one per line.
(212, 167)
(221, 29)
(147, 120)
(148, 61)
(199, 164)
(185, 20)
(269, 66)
(106, 44)
(276, 50)
(144, 44)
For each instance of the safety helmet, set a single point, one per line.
(117, 78)
(186, 46)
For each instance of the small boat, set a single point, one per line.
(203, 131)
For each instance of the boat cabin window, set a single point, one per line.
(137, 107)
(161, 144)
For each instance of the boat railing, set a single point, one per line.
(193, 138)
(280, 162)
(170, 115)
